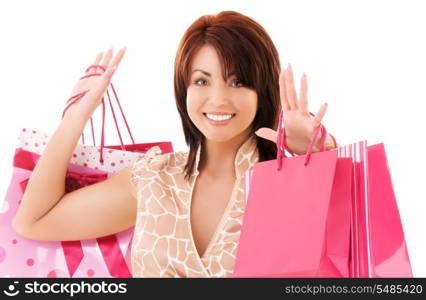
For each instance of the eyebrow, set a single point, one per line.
(208, 74)
(202, 71)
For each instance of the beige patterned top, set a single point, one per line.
(163, 245)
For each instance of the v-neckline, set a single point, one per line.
(218, 227)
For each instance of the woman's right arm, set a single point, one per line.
(46, 212)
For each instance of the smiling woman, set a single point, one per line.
(227, 86)
(187, 207)
(226, 63)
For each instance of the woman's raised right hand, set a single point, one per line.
(97, 85)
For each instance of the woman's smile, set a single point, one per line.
(219, 118)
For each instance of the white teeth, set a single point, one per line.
(219, 117)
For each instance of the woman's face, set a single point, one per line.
(220, 110)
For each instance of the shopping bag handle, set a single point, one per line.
(77, 97)
(282, 145)
(291, 152)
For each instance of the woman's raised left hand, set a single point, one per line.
(298, 123)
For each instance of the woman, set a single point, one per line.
(187, 208)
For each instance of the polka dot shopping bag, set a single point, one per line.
(107, 256)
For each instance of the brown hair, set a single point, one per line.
(243, 47)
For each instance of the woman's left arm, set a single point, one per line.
(298, 122)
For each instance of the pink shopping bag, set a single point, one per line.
(335, 216)
(107, 256)
(378, 247)
(297, 218)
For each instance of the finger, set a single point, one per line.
(109, 72)
(117, 59)
(303, 102)
(289, 87)
(283, 94)
(107, 75)
(320, 115)
(95, 62)
(106, 59)
(267, 133)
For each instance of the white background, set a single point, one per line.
(365, 58)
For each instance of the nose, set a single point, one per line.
(219, 96)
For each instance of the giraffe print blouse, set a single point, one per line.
(163, 245)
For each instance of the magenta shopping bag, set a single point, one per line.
(297, 218)
(326, 214)
(107, 256)
(378, 247)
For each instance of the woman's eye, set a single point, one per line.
(200, 80)
(239, 83)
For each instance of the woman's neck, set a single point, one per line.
(217, 159)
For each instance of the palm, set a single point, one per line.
(298, 122)
(97, 85)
